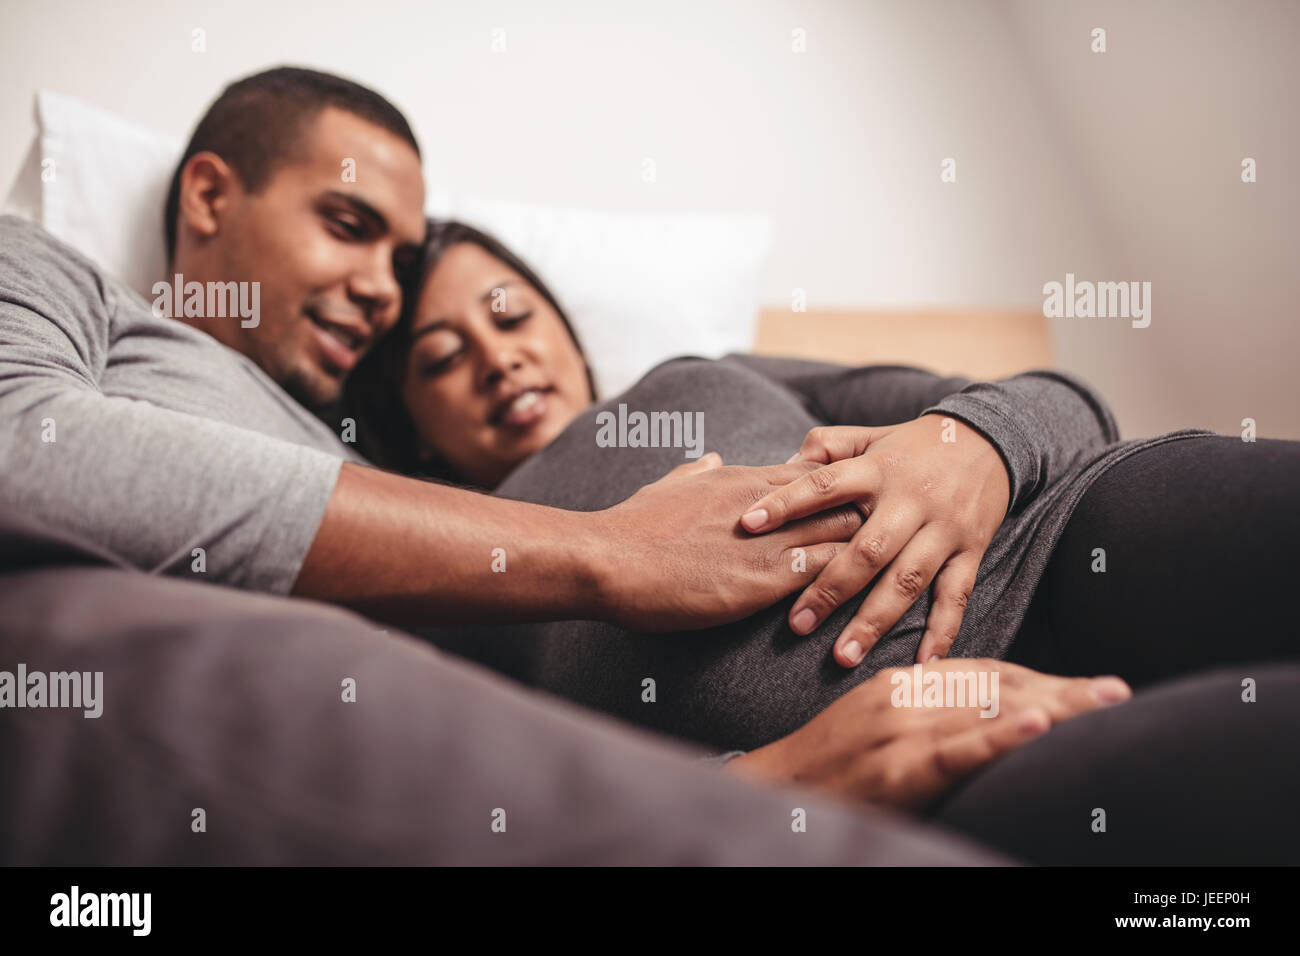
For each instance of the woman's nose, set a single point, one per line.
(500, 363)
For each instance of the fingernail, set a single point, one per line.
(803, 622)
(754, 520)
(932, 658)
(853, 652)
(792, 459)
(1111, 690)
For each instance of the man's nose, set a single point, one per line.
(375, 284)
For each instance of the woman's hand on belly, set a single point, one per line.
(904, 737)
(933, 492)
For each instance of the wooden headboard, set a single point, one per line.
(976, 343)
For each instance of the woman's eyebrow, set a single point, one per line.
(491, 293)
(443, 323)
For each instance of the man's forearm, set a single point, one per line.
(418, 553)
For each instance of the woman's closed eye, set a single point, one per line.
(442, 347)
(436, 367)
(510, 321)
(438, 351)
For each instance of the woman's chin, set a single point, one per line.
(544, 431)
(520, 445)
(536, 439)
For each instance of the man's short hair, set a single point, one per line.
(257, 122)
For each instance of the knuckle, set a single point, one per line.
(825, 594)
(929, 482)
(870, 548)
(766, 561)
(866, 631)
(949, 526)
(960, 597)
(867, 772)
(822, 481)
(1076, 694)
(846, 521)
(910, 582)
(894, 777)
(893, 460)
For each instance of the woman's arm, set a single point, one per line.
(1043, 423)
(934, 488)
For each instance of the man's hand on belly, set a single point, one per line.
(675, 557)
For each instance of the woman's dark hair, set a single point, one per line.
(373, 393)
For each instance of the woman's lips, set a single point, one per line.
(527, 408)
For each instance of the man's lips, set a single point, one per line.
(522, 407)
(343, 342)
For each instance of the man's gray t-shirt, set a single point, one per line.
(148, 436)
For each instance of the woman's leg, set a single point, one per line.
(1201, 770)
(1201, 546)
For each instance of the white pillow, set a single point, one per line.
(102, 183)
(638, 287)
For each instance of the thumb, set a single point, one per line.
(706, 463)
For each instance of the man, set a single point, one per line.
(239, 469)
(182, 445)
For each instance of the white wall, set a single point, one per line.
(1123, 165)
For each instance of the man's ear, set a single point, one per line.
(208, 184)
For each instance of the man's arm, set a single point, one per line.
(671, 557)
(147, 483)
(151, 485)
(419, 553)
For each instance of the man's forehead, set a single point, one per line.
(351, 155)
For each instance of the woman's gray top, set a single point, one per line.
(745, 684)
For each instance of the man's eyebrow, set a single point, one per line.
(360, 207)
(364, 209)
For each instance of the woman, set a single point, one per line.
(1002, 519)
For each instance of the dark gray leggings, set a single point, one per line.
(1198, 536)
